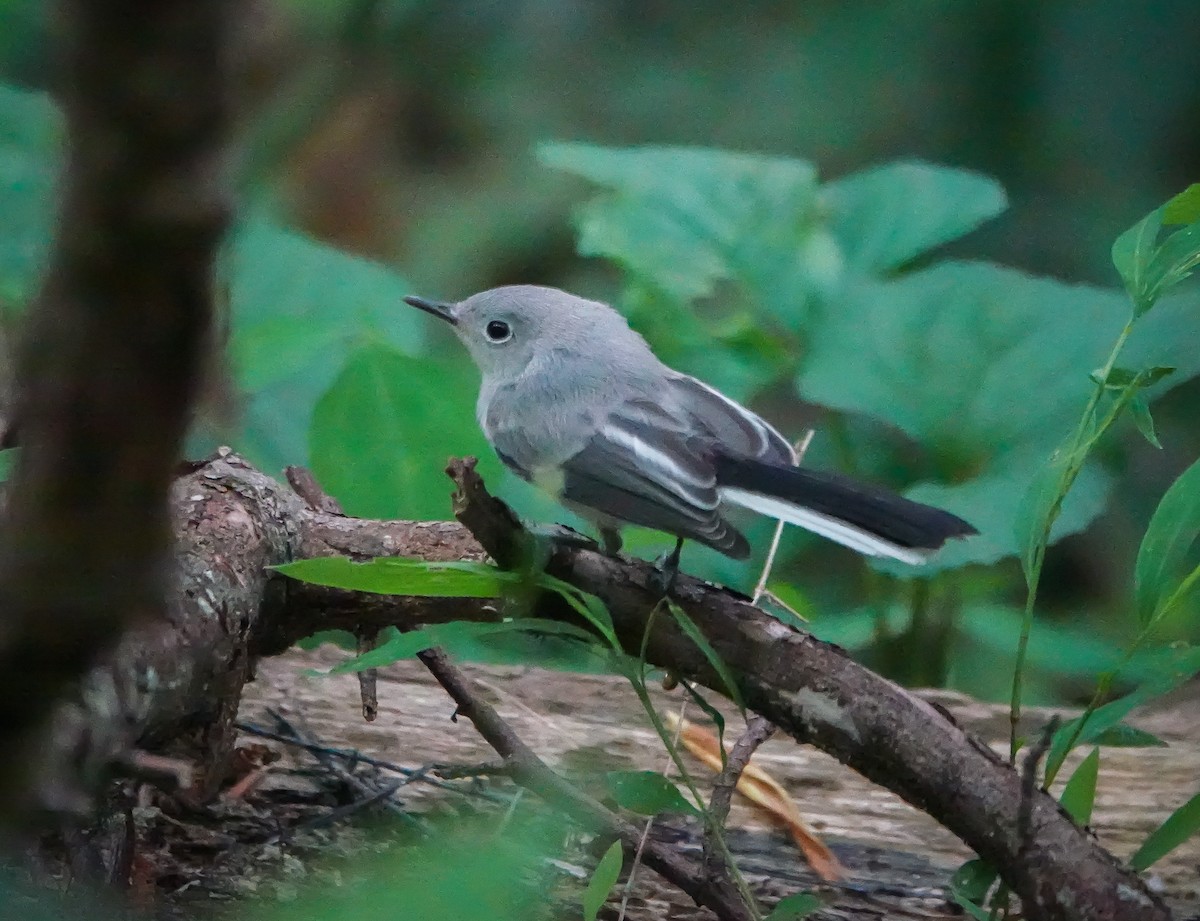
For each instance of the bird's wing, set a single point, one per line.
(732, 429)
(641, 473)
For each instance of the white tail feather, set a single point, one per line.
(838, 531)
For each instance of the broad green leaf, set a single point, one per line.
(298, 309)
(885, 216)
(984, 368)
(795, 907)
(31, 154)
(604, 877)
(994, 502)
(647, 793)
(1173, 670)
(1166, 554)
(454, 638)
(381, 435)
(973, 361)
(1062, 649)
(860, 628)
(1184, 208)
(1182, 824)
(696, 635)
(688, 218)
(397, 576)
(1079, 794)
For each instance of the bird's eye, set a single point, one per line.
(499, 331)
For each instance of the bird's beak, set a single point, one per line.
(437, 308)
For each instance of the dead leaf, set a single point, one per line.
(765, 792)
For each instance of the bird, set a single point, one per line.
(574, 401)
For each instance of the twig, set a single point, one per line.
(305, 485)
(347, 777)
(531, 772)
(758, 730)
(382, 795)
(368, 682)
(800, 448)
(411, 775)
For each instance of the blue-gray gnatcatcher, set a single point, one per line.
(574, 401)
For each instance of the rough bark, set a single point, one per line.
(111, 357)
(232, 522)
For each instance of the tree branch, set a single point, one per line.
(528, 770)
(233, 522)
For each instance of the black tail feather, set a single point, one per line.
(869, 508)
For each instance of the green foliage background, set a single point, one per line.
(837, 282)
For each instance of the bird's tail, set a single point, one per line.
(865, 518)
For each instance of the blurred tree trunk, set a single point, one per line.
(110, 361)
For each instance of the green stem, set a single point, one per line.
(1085, 437)
(1104, 684)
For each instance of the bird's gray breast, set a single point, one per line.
(540, 419)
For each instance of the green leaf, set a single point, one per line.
(1184, 208)
(970, 885)
(1173, 261)
(1179, 666)
(382, 433)
(694, 633)
(1182, 824)
(1139, 409)
(1123, 735)
(1132, 252)
(591, 608)
(1123, 378)
(1057, 648)
(984, 368)
(688, 218)
(713, 714)
(605, 876)
(1079, 794)
(647, 793)
(453, 638)
(886, 216)
(398, 576)
(795, 907)
(298, 309)
(1165, 555)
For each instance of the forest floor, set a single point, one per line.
(292, 817)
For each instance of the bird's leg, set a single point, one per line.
(611, 539)
(666, 568)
